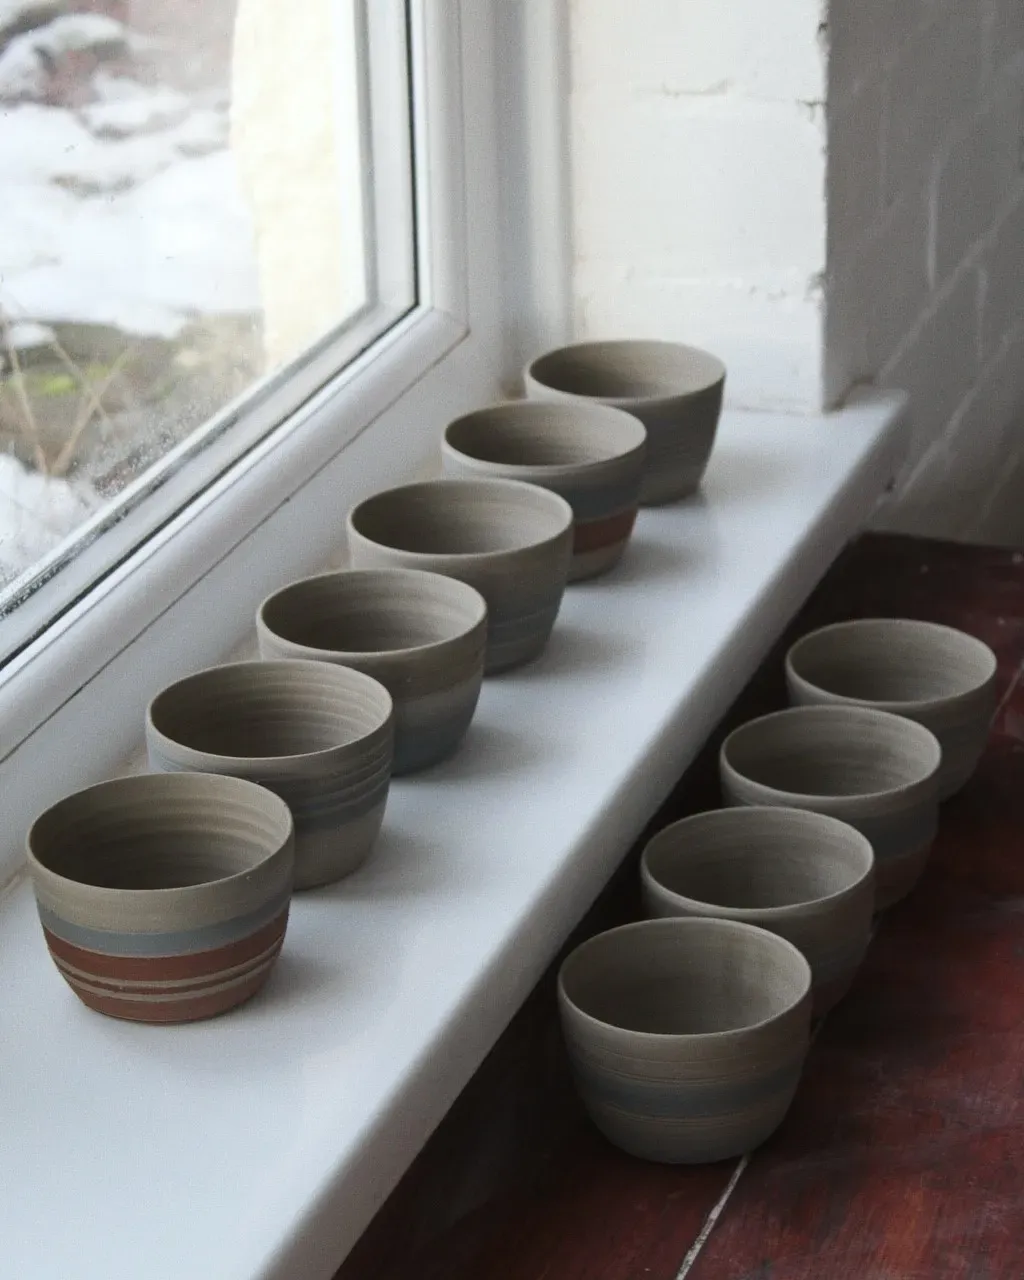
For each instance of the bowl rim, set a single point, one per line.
(693, 924)
(825, 711)
(621, 402)
(633, 450)
(156, 736)
(897, 705)
(521, 488)
(471, 595)
(738, 815)
(185, 780)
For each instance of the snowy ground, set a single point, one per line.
(120, 212)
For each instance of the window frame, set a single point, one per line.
(489, 98)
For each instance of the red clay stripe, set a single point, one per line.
(167, 968)
(188, 1010)
(594, 535)
(170, 988)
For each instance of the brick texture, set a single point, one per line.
(925, 282)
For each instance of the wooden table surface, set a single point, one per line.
(903, 1155)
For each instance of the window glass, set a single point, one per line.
(188, 231)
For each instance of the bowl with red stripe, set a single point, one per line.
(590, 455)
(164, 898)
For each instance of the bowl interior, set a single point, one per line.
(373, 612)
(832, 752)
(461, 517)
(892, 661)
(124, 836)
(533, 433)
(258, 710)
(686, 979)
(757, 859)
(628, 370)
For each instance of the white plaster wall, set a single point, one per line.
(926, 245)
(698, 179)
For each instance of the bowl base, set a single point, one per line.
(896, 877)
(194, 1008)
(591, 564)
(330, 855)
(657, 491)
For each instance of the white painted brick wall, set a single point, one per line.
(925, 285)
(717, 201)
(698, 181)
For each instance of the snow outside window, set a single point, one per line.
(190, 245)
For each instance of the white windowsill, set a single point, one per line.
(258, 1146)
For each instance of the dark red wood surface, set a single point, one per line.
(903, 1155)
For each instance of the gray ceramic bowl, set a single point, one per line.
(164, 898)
(876, 771)
(686, 1037)
(592, 455)
(804, 876)
(676, 392)
(509, 540)
(319, 736)
(421, 635)
(940, 677)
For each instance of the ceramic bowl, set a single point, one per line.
(804, 876)
(164, 898)
(319, 736)
(420, 634)
(876, 771)
(592, 455)
(509, 540)
(940, 677)
(686, 1037)
(675, 391)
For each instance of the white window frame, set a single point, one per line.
(492, 218)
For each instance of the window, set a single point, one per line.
(208, 211)
(460, 118)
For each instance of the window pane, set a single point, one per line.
(185, 222)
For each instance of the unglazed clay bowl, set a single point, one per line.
(511, 541)
(876, 771)
(940, 677)
(676, 392)
(319, 736)
(804, 876)
(686, 1037)
(592, 455)
(421, 635)
(164, 898)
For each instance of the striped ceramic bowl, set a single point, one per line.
(807, 877)
(320, 736)
(676, 391)
(592, 455)
(940, 677)
(164, 899)
(509, 540)
(686, 1037)
(876, 771)
(422, 635)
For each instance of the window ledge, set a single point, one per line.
(258, 1146)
